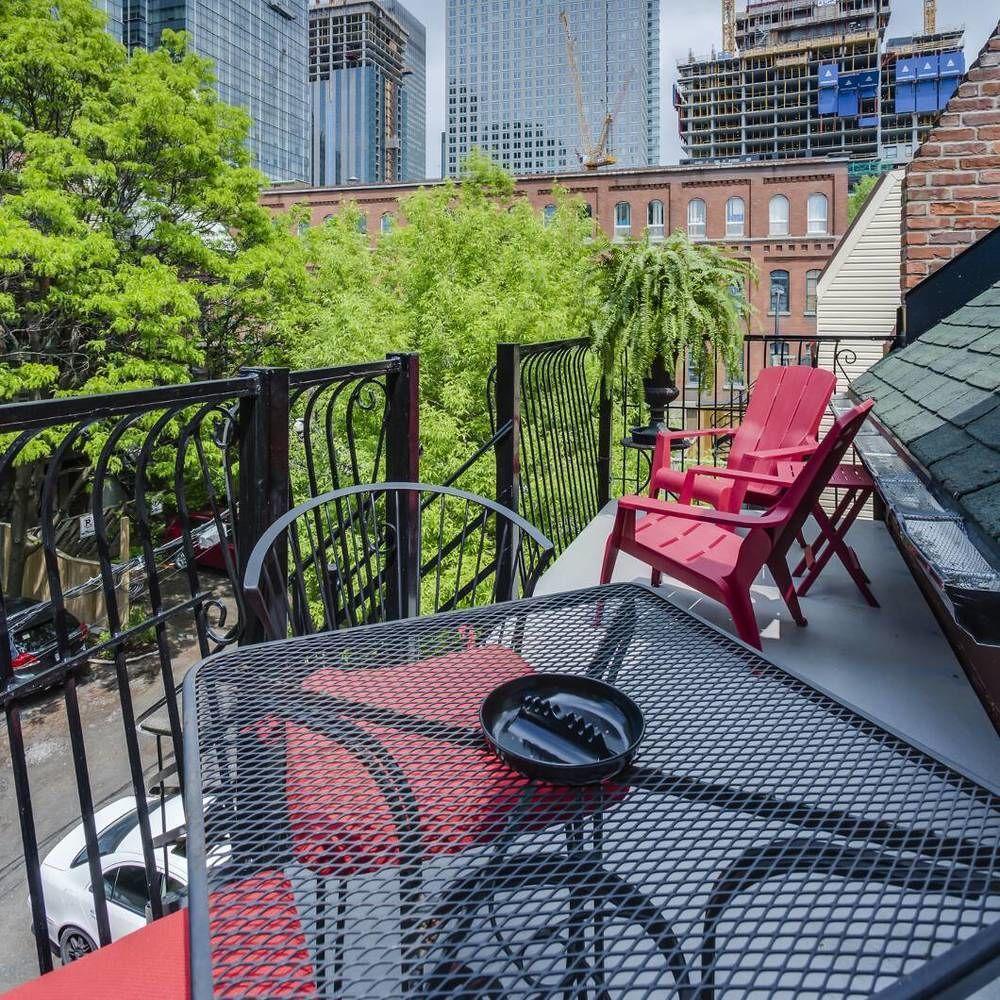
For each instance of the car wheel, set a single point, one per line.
(74, 944)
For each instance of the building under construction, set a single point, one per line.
(808, 78)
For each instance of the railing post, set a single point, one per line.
(508, 458)
(264, 485)
(604, 415)
(402, 449)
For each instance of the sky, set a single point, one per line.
(684, 25)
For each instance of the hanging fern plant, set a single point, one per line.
(673, 298)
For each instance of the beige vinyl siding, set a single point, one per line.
(860, 292)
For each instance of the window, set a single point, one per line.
(363, 222)
(778, 298)
(385, 223)
(623, 220)
(126, 886)
(654, 220)
(548, 213)
(697, 216)
(735, 217)
(778, 216)
(818, 208)
(780, 354)
(812, 283)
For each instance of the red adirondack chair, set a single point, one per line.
(781, 422)
(702, 548)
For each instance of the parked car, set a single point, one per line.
(34, 646)
(66, 882)
(207, 544)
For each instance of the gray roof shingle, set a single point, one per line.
(940, 397)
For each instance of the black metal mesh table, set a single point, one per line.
(350, 836)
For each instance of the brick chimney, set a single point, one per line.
(952, 187)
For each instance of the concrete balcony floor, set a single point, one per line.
(892, 662)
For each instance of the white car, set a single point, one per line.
(66, 884)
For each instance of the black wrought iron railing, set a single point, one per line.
(563, 431)
(129, 520)
(132, 516)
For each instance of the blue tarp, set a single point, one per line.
(906, 69)
(927, 68)
(828, 101)
(947, 86)
(951, 64)
(927, 95)
(906, 98)
(847, 103)
(828, 74)
(868, 121)
(868, 83)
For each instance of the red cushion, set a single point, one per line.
(151, 963)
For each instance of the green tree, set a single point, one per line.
(857, 198)
(473, 265)
(133, 248)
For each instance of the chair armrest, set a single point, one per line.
(661, 453)
(704, 432)
(709, 515)
(723, 472)
(797, 451)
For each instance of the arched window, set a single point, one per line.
(623, 220)
(697, 219)
(654, 220)
(812, 285)
(385, 223)
(777, 216)
(778, 299)
(818, 214)
(363, 222)
(735, 217)
(301, 228)
(548, 213)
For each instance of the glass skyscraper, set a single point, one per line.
(367, 83)
(511, 93)
(413, 110)
(259, 49)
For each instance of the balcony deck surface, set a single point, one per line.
(893, 662)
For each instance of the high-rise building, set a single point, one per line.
(512, 91)
(113, 10)
(815, 78)
(259, 51)
(413, 106)
(367, 80)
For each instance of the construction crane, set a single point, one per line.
(930, 17)
(729, 26)
(593, 155)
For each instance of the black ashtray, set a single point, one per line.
(562, 728)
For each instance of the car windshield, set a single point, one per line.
(112, 836)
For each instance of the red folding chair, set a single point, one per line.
(702, 548)
(781, 422)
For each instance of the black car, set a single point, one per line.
(32, 629)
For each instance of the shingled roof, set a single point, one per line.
(940, 398)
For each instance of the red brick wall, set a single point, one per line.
(952, 187)
(797, 253)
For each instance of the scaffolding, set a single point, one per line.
(760, 100)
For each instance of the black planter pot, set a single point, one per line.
(659, 391)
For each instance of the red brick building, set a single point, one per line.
(952, 187)
(787, 217)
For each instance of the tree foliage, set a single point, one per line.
(474, 265)
(133, 248)
(857, 198)
(673, 298)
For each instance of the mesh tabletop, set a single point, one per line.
(351, 836)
